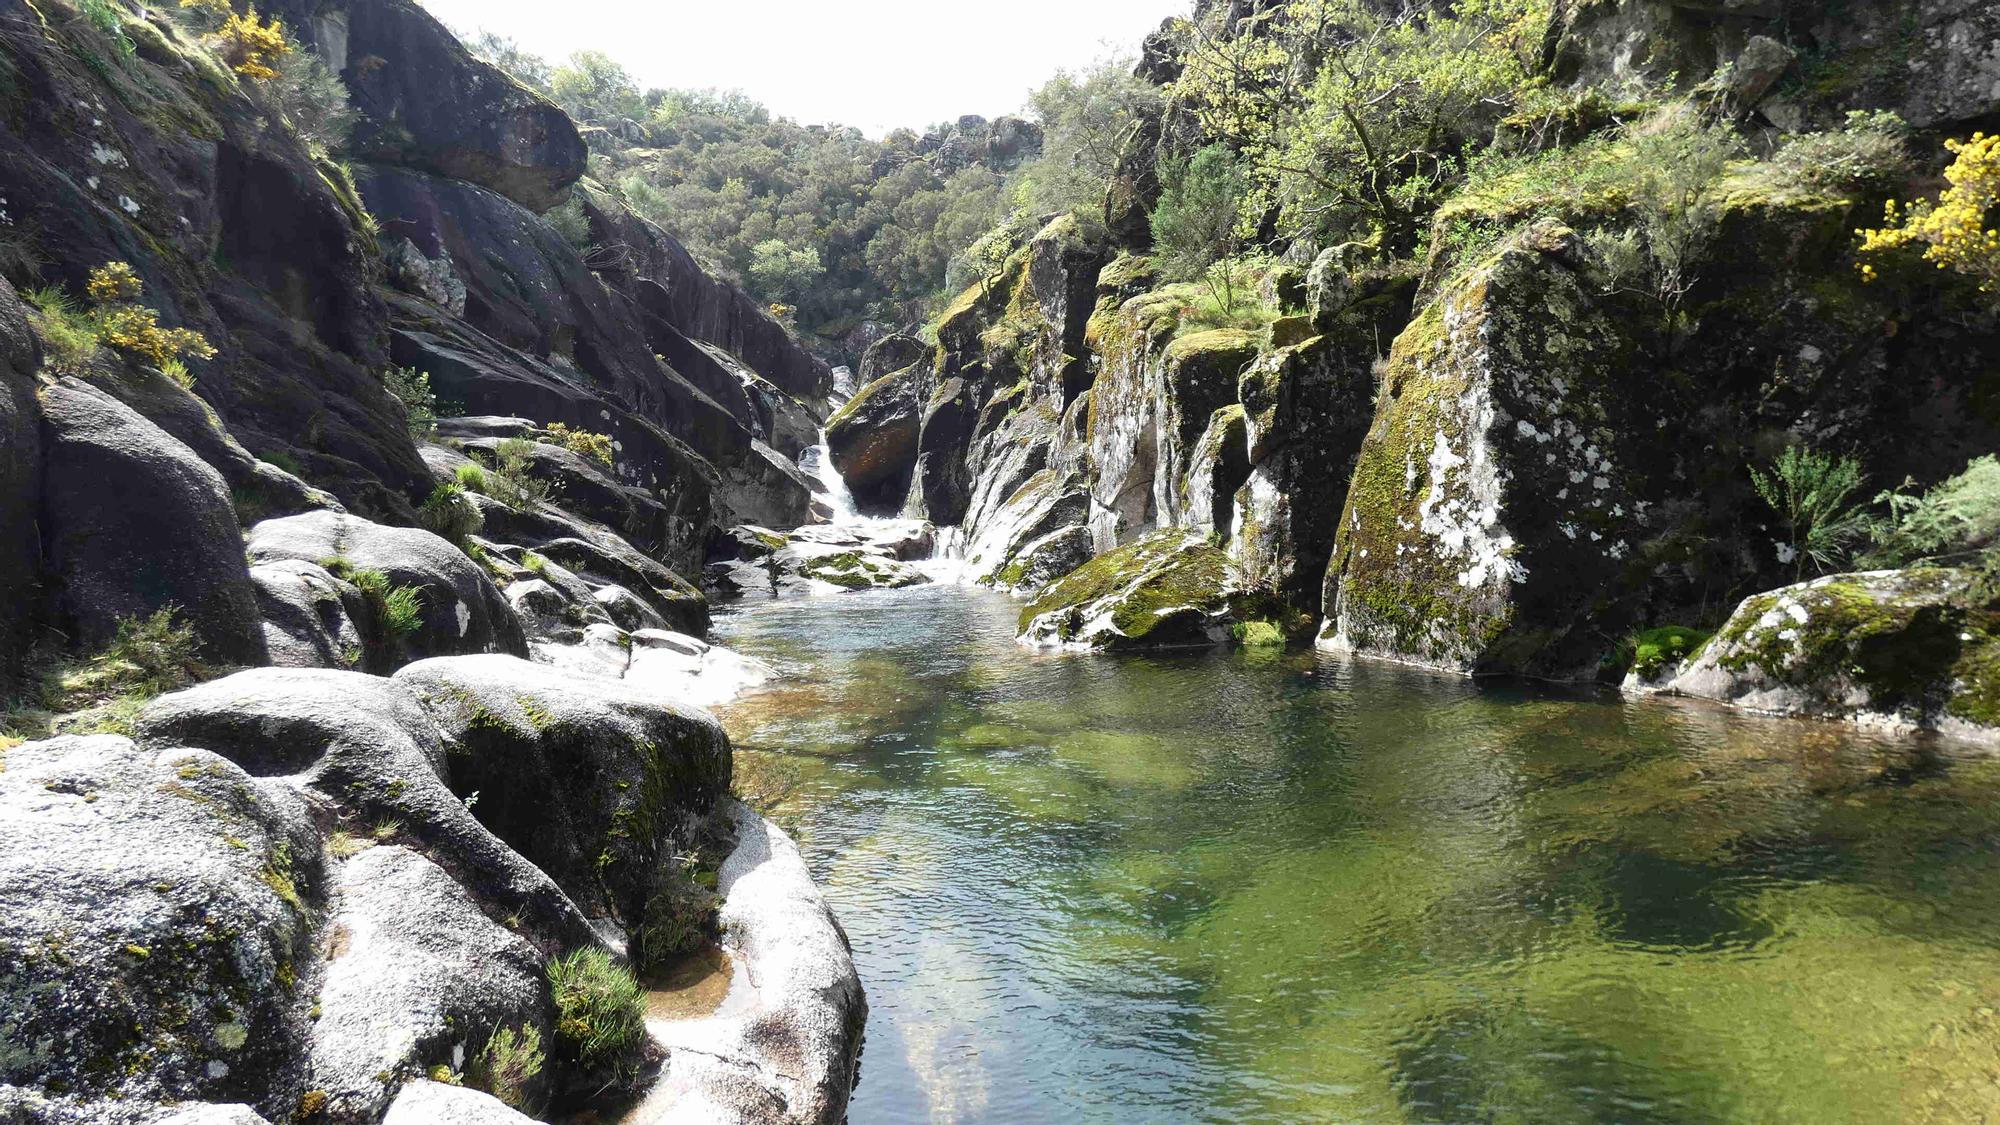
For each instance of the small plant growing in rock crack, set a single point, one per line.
(508, 1066)
(510, 479)
(583, 443)
(397, 611)
(451, 514)
(412, 388)
(680, 912)
(162, 650)
(600, 1014)
(1809, 491)
(472, 478)
(115, 319)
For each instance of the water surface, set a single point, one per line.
(1274, 887)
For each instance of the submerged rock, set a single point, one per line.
(1902, 649)
(1168, 589)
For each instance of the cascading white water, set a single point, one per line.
(834, 493)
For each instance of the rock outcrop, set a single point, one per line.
(1167, 590)
(1899, 650)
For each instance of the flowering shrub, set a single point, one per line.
(1953, 231)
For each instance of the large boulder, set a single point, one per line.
(1902, 649)
(1492, 513)
(155, 926)
(873, 438)
(417, 977)
(133, 522)
(426, 103)
(440, 1103)
(368, 745)
(1169, 589)
(311, 618)
(590, 778)
(463, 611)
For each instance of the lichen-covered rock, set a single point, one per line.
(1904, 649)
(790, 1053)
(155, 925)
(1034, 537)
(1492, 507)
(827, 559)
(309, 615)
(1217, 466)
(873, 438)
(1168, 589)
(462, 611)
(416, 977)
(133, 522)
(368, 745)
(587, 777)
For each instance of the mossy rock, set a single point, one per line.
(1167, 589)
(1907, 648)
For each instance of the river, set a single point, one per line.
(1258, 886)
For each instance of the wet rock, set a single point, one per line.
(1899, 649)
(133, 522)
(790, 1054)
(873, 439)
(155, 909)
(416, 977)
(1167, 589)
(462, 610)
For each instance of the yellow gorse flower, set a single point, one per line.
(1952, 231)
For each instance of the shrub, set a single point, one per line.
(398, 611)
(450, 513)
(508, 1066)
(472, 478)
(680, 914)
(251, 47)
(1809, 491)
(583, 443)
(534, 564)
(1952, 231)
(1871, 153)
(1195, 224)
(512, 482)
(572, 224)
(115, 319)
(106, 17)
(1959, 517)
(412, 388)
(313, 100)
(68, 335)
(600, 1011)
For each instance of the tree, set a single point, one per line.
(593, 87)
(1085, 118)
(1195, 224)
(780, 273)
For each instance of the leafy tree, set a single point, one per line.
(1085, 119)
(594, 88)
(782, 273)
(1195, 224)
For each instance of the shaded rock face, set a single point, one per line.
(20, 485)
(157, 920)
(234, 229)
(1496, 501)
(1166, 590)
(427, 103)
(1909, 649)
(890, 354)
(1933, 61)
(463, 612)
(873, 439)
(133, 522)
(621, 769)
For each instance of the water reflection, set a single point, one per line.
(1223, 888)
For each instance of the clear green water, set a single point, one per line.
(1269, 887)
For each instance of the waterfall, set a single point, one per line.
(834, 492)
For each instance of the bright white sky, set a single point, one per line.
(875, 64)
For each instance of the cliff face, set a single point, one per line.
(1502, 459)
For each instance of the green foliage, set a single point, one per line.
(1672, 174)
(1086, 117)
(1810, 492)
(781, 273)
(412, 388)
(69, 335)
(472, 477)
(450, 513)
(530, 70)
(398, 611)
(583, 443)
(161, 651)
(1656, 650)
(312, 99)
(1195, 224)
(680, 913)
(107, 16)
(1957, 519)
(534, 564)
(600, 1012)
(570, 221)
(1869, 154)
(147, 656)
(510, 480)
(508, 1066)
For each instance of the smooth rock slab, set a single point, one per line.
(434, 1103)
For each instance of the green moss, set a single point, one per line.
(1149, 579)
(1654, 650)
(1223, 344)
(1257, 634)
(862, 397)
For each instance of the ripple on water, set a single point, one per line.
(1211, 888)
